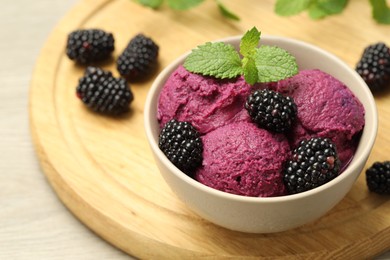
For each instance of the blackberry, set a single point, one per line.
(374, 66)
(271, 110)
(182, 145)
(91, 45)
(103, 93)
(138, 58)
(314, 162)
(378, 178)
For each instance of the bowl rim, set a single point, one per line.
(157, 84)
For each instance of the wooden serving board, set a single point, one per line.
(103, 170)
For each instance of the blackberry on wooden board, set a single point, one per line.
(103, 93)
(138, 58)
(378, 178)
(89, 45)
(374, 66)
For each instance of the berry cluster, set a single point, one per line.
(98, 89)
(374, 66)
(182, 145)
(314, 162)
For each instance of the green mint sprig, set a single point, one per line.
(258, 64)
(188, 4)
(318, 9)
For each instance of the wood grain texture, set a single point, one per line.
(103, 170)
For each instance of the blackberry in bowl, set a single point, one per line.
(271, 110)
(314, 162)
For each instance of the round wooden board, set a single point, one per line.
(103, 170)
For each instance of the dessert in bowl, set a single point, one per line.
(265, 212)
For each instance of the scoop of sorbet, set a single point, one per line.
(243, 159)
(206, 102)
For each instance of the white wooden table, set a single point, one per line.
(34, 224)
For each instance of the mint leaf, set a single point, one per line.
(249, 41)
(248, 45)
(183, 4)
(249, 70)
(317, 13)
(380, 11)
(151, 3)
(274, 63)
(291, 7)
(322, 8)
(226, 12)
(217, 59)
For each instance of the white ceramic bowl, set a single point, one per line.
(274, 214)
